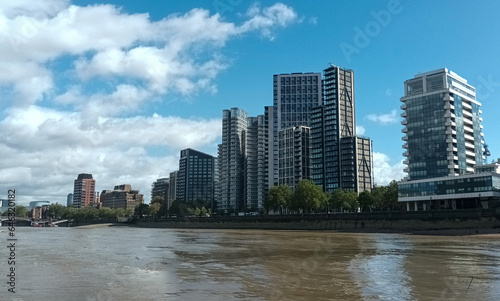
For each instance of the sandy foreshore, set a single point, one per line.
(101, 225)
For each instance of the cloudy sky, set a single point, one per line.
(118, 88)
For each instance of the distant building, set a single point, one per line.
(84, 191)
(232, 154)
(195, 179)
(35, 204)
(5, 205)
(172, 188)
(121, 197)
(39, 212)
(69, 200)
(161, 188)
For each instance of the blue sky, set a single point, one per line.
(118, 88)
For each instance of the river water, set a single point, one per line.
(128, 263)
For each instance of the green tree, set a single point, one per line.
(106, 212)
(391, 195)
(350, 200)
(343, 200)
(90, 213)
(21, 211)
(196, 211)
(203, 212)
(119, 212)
(129, 212)
(57, 211)
(179, 208)
(278, 197)
(365, 200)
(335, 200)
(308, 196)
(378, 195)
(157, 199)
(153, 209)
(141, 209)
(71, 213)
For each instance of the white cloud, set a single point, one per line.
(134, 61)
(384, 119)
(45, 147)
(313, 20)
(278, 15)
(360, 130)
(384, 172)
(176, 54)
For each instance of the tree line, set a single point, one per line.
(57, 211)
(308, 197)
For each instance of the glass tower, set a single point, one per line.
(442, 126)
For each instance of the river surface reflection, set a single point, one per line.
(126, 263)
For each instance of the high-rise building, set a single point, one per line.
(442, 125)
(231, 160)
(295, 95)
(444, 146)
(339, 159)
(256, 168)
(294, 155)
(160, 188)
(195, 179)
(69, 200)
(84, 191)
(172, 189)
(121, 197)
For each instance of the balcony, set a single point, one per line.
(404, 130)
(404, 114)
(470, 161)
(451, 131)
(403, 106)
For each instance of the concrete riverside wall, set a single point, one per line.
(362, 222)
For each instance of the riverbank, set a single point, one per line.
(450, 223)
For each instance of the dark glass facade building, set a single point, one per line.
(195, 178)
(294, 155)
(340, 159)
(161, 189)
